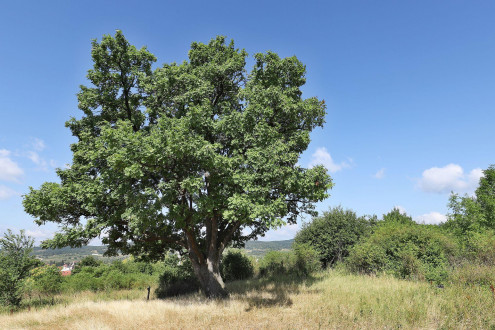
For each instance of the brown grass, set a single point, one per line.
(331, 300)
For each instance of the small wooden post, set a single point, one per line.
(148, 298)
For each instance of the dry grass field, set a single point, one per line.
(330, 300)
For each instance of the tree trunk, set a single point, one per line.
(208, 274)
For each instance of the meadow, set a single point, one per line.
(328, 299)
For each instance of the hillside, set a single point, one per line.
(67, 254)
(259, 248)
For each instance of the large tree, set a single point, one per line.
(192, 157)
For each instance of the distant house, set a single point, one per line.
(66, 270)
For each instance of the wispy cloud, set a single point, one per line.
(380, 174)
(449, 178)
(6, 192)
(9, 170)
(38, 144)
(323, 157)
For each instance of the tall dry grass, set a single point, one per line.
(330, 300)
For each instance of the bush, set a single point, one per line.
(306, 259)
(178, 277)
(85, 280)
(45, 280)
(235, 265)
(274, 263)
(15, 263)
(333, 234)
(300, 262)
(406, 251)
(88, 261)
(479, 247)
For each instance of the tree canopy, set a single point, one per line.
(192, 157)
(474, 213)
(334, 233)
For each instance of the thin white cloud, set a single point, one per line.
(6, 192)
(38, 160)
(9, 170)
(449, 178)
(38, 144)
(432, 218)
(35, 158)
(38, 234)
(281, 234)
(322, 157)
(380, 174)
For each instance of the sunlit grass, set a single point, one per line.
(329, 300)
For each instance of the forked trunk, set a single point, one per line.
(208, 274)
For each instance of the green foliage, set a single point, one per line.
(15, 263)
(300, 262)
(466, 215)
(306, 259)
(474, 213)
(186, 156)
(127, 274)
(88, 261)
(395, 216)
(235, 265)
(485, 195)
(406, 251)
(334, 233)
(479, 247)
(178, 277)
(45, 280)
(274, 263)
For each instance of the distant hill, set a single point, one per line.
(259, 248)
(67, 254)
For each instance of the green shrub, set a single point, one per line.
(45, 280)
(83, 281)
(88, 261)
(479, 247)
(274, 263)
(301, 261)
(306, 259)
(333, 234)
(177, 278)
(406, 251)
(235, 265)
(16, 262)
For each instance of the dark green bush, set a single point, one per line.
(406, 251)
(178, 277)
(235, 265)
(334, 233)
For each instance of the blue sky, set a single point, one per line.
(409, 87)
